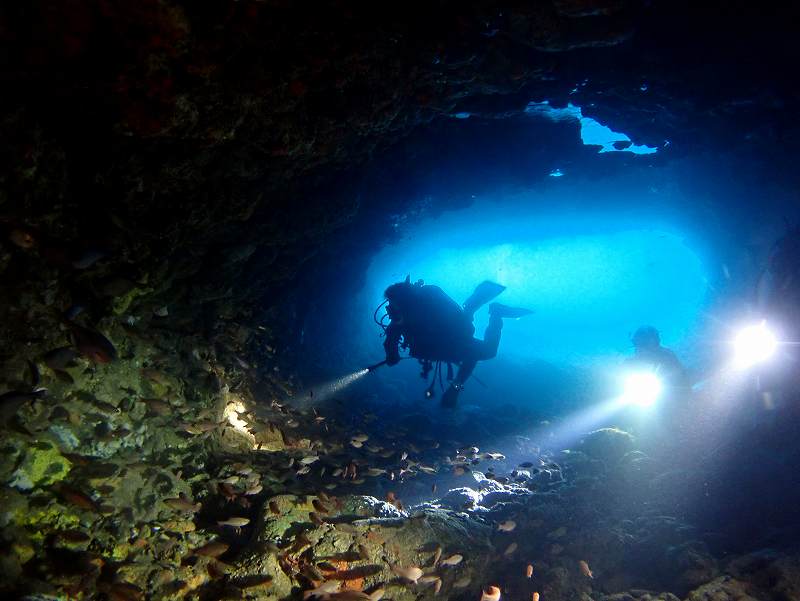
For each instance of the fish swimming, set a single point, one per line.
(453, 560)
(507, 526)
(13, 400)
(326, 588)
(92, 344)
(412, 573)
(211, 549)
(491, 593)
(585, 569)
(182, 504)
(234, 522)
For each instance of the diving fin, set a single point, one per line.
(505, 311)
(483, 293)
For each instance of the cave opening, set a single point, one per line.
(210, 357)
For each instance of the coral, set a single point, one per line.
(41, 465)
(363, 538)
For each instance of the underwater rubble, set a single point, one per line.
(143, 459)
(146, 477)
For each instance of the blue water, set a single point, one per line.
(590, 279)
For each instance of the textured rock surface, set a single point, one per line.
(176, 177)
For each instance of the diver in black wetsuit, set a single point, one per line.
(436, 329)
(649, 353)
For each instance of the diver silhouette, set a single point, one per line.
(649, 353)
(436, 330)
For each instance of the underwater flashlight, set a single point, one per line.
(754, 344)
(642, 388)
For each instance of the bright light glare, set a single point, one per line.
(642, 388)
(754, 344)
(231, 413)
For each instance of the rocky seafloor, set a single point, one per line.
(144, 464)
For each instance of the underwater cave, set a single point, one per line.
(462, 300)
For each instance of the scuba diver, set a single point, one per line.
(649, 353)
(436, 330)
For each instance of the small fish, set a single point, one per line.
(510, 549)
(526, 464)
(211, 549)
(434, 488)
(93, 345)
(254, 489)
(158, 407)
(375, 471)
(535, 597)
(377, 594)
(437, 555)
(462, 582)
(181, 503)
(361, 437)
(11, 401)
(529, 571)
(328, 587)
(412, 573)
(494, 456)
(78, 499)
(507, 526)
(585, 569)
(227, 491)
(459, 470)
(234, 522)
(453, 560)
(161, 311)
(491, 593)
(309, 460)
